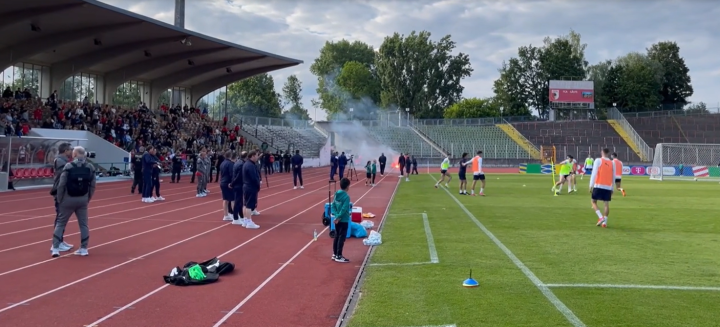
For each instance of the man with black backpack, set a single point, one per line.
(75, 189)
(61, 159)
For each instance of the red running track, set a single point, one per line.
(282, 277)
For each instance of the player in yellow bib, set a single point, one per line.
(588, 166)
(565, 170)
(444, 166)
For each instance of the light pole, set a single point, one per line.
(407, 110)
(351, 113)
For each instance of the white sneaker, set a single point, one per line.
(149, 200)
(251, 225)
(154, 199)
(81, 252)
(160, 198)
(255, 213)
(301, 187)
(55, 252)
(228, 218)
(63, 247)
(199, 195)
(295, 188)
(373, 185)
(206, 192)
(407, 179)
(144, 200)
(240, 222)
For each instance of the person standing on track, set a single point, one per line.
(149, 161)
(156, 180)
(333, 165)
(342, 162)
(341, 209)
(193, 166)
(76, 187)
(297, 162)
(382, 161)
(136, 161)
(251, 188)
(61, 159)
(408, 166)
(203, 168)
(226, 176)
(220, 158)
(236, 184)
(176, 168)
(401, 164)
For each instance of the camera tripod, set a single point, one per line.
(351, 169)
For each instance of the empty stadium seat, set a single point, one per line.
(489, 138)
(405, 140)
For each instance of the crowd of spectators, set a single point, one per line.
(175, 129)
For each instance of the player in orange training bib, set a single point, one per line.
(618, 170)
(601, 185)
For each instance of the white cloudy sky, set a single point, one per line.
(489, 31)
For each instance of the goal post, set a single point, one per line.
(680, 161)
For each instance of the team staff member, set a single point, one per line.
(226, 175)
(297, 162)
(236, 184)
(193, 166)
(342, 162)
(251, 188)
(219, 160)
(61, 159)
(333, 165)
(156, 180)
(176, 168)
(401, 164)
(203, 168)
(601, 185)
(76, 187)
(136, 161)
(382, 160)
(149, 161)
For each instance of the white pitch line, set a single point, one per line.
(559, 305)
(430, 240)
(631, 286)
(406, 214)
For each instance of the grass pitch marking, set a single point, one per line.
(631, 286)
(431, 245)
(544, 289)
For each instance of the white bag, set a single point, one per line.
(367, 224)
(373, 239)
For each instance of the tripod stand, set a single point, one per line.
(351, 170)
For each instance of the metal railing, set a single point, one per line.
(645, 150)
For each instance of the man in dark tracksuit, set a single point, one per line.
(342, 162)
(176, 168)
(136, 161)
(251, 188)
(382, 161)
(218, 161)
(77, 204)
(401, 164)
(61, 159)
(287, 161)
(148, 161)
(226, 176)
(237, 186)
(333, 165)
(297, 162)
(193, 166)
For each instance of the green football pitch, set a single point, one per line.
(541, 261)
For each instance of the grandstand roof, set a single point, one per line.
(72, 36)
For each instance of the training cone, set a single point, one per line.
(470, 282)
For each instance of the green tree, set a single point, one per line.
(420, 74)
(639, 83)
(508, 95)
(128, 94)
(254, 96)
(526, 77)
(473, 108)
(697, 108)
(292, 96)
(676, 83)
(599, 74)
(327, 67)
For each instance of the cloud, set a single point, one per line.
(489, 31)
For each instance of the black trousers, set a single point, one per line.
(192, 178)
(137, 181)
(297, 174)
(341, 230)
(156, 185)
(382, 169)
(238, 203)
(414, 169)
(175, 177)
(402, 169)
(217, 176)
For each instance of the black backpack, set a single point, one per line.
(78, 180)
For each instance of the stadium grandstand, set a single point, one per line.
(116, 76)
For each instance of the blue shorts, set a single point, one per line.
(588, 171)
(227, 193)
(250, 199)
(600, 194)
(462, 177)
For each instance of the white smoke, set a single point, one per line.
(354, 139)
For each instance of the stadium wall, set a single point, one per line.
(639, 170)
(106, 153)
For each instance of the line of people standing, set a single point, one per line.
(240, 185)
(146, 174)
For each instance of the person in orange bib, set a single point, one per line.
(601, 185)
(478, 174)
(618, 169)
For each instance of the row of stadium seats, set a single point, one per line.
(493, 141)
(307, 140)
(677, 129)
(405, 140)
(32, 173)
